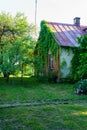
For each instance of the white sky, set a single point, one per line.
(50, 10)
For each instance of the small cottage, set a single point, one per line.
(54, 49)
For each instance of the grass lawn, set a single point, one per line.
(72, 116)
(48, 117)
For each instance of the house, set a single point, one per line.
(54, 49)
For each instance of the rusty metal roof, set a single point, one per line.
(66, 34)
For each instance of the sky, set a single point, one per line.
(62, 11)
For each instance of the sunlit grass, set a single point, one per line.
(81, 113)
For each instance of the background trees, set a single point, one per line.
(16, 44)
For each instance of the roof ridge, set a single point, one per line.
(68, 24)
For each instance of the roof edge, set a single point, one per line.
(65, 24)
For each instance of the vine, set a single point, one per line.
(45, 43)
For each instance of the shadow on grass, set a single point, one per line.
(17, 81)
(28, 82)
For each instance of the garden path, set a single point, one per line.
(55, 102)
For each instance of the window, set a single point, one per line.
(50, 61)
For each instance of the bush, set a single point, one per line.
(52, 76)
(81, 87)
(42, 79)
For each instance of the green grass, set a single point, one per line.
(33, 91)
(72, 116)
(49, 117)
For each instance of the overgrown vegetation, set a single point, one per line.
(79, 61)
(81, 87)
(46, 44)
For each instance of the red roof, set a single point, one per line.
(66, 34)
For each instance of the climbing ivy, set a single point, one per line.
(79, 61)
(45, 43)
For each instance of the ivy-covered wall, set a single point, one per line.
(62, 56)
(45, 43)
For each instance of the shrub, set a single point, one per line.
(81, 87)
(42, 79)
(52, 76)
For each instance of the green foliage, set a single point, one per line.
(45, 43)
(81, 85)
(83, 56)
(16, 43)
(52, 76)
(79, 61)
(64, 63)
(75, 63)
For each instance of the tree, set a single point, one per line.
(79, 62)
(16, 43)
(83, 56)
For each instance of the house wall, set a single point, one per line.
(66, 55)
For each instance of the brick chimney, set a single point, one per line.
(77, 21)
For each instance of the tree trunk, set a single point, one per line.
(6, 76)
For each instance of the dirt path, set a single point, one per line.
(43, 103)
